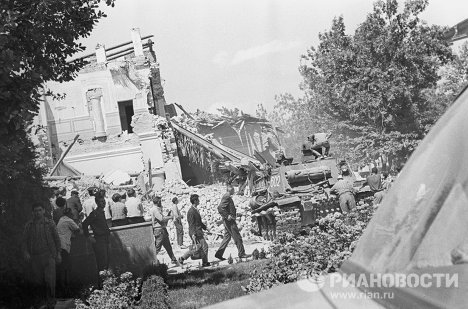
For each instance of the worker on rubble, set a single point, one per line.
(374, 181)
(345, 191)
(320, 143)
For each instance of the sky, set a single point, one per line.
(237, 53)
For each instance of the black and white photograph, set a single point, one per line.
(230, 154)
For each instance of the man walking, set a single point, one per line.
(100, 241)
(177, 219)
(41, 247)
(65, 228)
(161, 236)
(345, 191)
(196, 227)
(227, 210)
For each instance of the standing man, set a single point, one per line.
(74, 204)
(161, 236)
(101, 232)
(345, 191)
(41, 247)
(227, 210)
(177, 219)
(65, 228)
(374, 180)
(196, 227)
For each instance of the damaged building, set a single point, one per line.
(113, 116)
(116, 107)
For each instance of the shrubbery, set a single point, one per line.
(124, 291)
(154, 294)
(117, 292)
(322, 248)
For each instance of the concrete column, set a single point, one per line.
(93, 96)
(140, 104)
(136, 38)
(101, 53)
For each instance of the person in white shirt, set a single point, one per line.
(177, 219)
(134, 208)
(65, 228)
(89, 205)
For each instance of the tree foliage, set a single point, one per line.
(36, 40)
(370, 88)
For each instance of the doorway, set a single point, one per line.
(126, 113)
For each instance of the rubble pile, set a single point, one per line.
(210, 197)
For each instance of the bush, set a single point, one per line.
(154, 294)
(323, 250)
(117, 292)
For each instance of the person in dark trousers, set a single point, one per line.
(161, 236)
(374, 180)
(135, 209)
(119, 211)
(345, 190)
(177, 219)
(57, 213)
(41, 248)
(65, 228)
(196, 227)
(227, 210)
(74, 204)
(101, 233)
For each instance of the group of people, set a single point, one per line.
(378, 184)
(317, 145)
(47, 242)
(197, 228)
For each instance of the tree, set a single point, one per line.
(36, 40)
(453, 78)
(368, 88)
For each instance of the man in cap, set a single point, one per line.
(345, 190)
